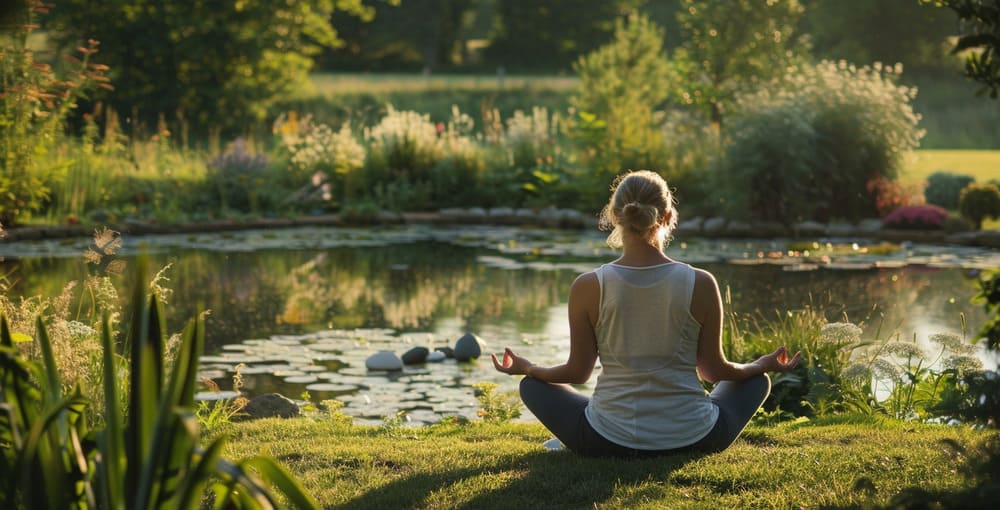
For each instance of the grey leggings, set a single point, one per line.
(561, 409)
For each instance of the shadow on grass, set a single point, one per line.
(535, 480)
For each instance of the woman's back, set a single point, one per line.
(649, 395)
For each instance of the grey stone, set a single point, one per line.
(809, 228)
(870, 225)
(713, 225)
(448, 351)
(692, 225)
(384, 360)
(468, 348)
(500, 212)
(436, 356)
(415, 356)
(736, 227)
(840, 229)
(271, 405)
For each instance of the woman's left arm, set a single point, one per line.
(584, 298)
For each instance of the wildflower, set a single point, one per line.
(952, 343)
(963, 364)
(856, 373)
(79, 331)
(840, 332)
(904, 350)
(885, 370)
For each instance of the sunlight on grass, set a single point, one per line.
(347, 83)
(838, 464)
(981, 164)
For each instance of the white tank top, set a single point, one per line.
(648, 395)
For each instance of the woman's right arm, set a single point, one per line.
(706, 307)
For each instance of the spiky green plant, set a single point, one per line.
(147, 457)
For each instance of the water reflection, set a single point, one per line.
(305, 307)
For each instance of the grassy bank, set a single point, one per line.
(984, 165)
(849, 462)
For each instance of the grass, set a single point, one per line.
(848, 462)
(984, 165)
(331, 84)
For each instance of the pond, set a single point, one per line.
(303, 308)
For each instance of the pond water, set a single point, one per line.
(303, 308)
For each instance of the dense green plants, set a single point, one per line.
(844, 126)
(980, 26)
(496, 407)
(943, 188)
(236, 176)
(978, 202)
(34, 104)
(146, 455)
(624, 86)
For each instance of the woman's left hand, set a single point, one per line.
(512, 363)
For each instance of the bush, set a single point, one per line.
(922, 217)
(845, 126)
(979, 201)
(943, 188)
(237, 177)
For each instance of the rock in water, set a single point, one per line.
(271, 405)
(436, 356)
(415, 356)
(447, 351)
(468, 348)
(384, 360)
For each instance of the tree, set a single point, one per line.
(980, 38)
(887, 31)
(551, 34)
(733, 46)
(210, 64)
(415, 34)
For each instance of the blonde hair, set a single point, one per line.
(639, 202)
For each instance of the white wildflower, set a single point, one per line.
(963, 364)
(840, 332)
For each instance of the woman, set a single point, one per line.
(656, 325)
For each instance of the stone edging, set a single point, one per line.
(549, 217)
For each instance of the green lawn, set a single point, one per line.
(851, 462)
(981, 164)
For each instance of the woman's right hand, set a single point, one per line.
(778, 361)
(512, 364)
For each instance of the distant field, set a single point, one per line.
(347, 83)
(981, 164)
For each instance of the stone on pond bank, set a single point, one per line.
(436, 356)
(468, 348)
(415, 356)
(271, 405)
(384, 360)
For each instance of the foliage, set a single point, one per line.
(837, 128)
(534, 35)
(989, 296)
(215, 413)
(977, 202)
(624, 86)
(731, 47)
(496, 407)
(890, 195)
(236, 177)
(210, 66)
(885, 31)
(149, 457)
(980, 23)
(323, 163)
(396, 35)
(34, 104)
(925, 217)
(943, 188)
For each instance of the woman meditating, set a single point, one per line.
(656, 325)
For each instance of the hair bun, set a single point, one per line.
(639, 217)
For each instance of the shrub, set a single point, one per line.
(943, 188)
(978, 202)
(237, 177)
(856, 126)
(34, 105)
(623, 87)
(323, 163)
(926, 217)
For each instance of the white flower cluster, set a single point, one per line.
(405, 132)
(840, 333)
(320, 148)
(80, 331)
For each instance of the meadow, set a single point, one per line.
(842, 462)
